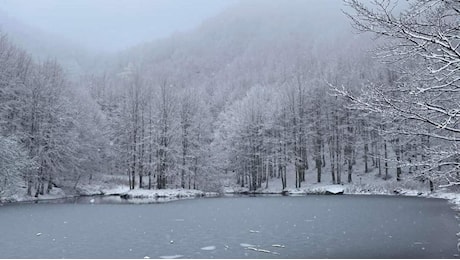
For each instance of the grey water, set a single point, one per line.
(234, 227)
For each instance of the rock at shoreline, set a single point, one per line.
(334, 190)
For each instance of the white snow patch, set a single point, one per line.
(258, 249)
(297, 191)
(263, 250)
(102, 189)
(278, 245)
(38, 234)
(334, 189)
(208, 248)
(115, 190)
(170, 256)
(230, 190)
(246, 245)
(166, 193)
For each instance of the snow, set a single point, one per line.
(21, 195)
(171, 256)
(111, 189)
(230, 190)
(263, 250)
(166, 193)
(334, 189)
(259, 250)
(100, 189)
(208, 248)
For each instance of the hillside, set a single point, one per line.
(247, 45)
(42, 45)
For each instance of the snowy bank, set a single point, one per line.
(91, 190)
(136, 196)
(383, 188)
(21, 196)
(316, 190)
(166, 193)
(313, 189)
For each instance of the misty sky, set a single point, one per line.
(113, 25)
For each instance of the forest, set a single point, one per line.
(263, 91)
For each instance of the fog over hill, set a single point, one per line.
(110, 26)
(44, 45)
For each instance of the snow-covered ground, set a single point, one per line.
(166, 193)
(21, 195)
(98, 189)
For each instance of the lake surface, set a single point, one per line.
(234, 227)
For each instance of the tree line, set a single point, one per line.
(46, 136)
(194, 111)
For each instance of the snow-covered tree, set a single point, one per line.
(422, 44)
(14, 166)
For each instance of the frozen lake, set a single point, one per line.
(234, 227)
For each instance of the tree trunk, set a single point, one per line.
(350, 170)
(319, 167)
(366, 149)
(398, 160)
(150, 180)
(386, 159)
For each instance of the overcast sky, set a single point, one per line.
(113, 25)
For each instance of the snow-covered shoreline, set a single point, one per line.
(312, 189)
(123, 192)
(350, 189)
(166, 193)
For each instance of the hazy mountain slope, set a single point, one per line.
(43, 45)
(247, 44)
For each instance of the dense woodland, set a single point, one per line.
(254, 94)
